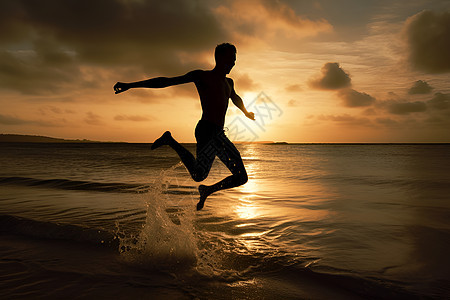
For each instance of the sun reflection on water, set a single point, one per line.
(246, 209)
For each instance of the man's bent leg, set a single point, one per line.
(230, 156)
(198, 171)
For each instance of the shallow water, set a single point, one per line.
(314, 222)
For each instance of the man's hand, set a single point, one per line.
(121, 87)
(250, 115)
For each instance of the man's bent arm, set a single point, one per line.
(240, 104)
(158, 82)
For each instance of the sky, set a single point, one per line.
(323, 71)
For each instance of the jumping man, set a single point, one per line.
(214, 89)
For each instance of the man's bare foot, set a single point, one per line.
(163, 140)
(204, 193)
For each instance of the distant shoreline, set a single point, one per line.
(21, 138)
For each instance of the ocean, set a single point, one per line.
(314, 221)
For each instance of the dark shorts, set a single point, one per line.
(205, 131)
(212, 142)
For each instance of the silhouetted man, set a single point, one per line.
(214, 89)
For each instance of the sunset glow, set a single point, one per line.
(340, 71)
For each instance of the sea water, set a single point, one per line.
(314, 221)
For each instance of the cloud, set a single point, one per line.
(369, 112)
(387, 122)
(134, 118)
(294, 88)
(93, 119)
(440, 101)
(346, 120)
(262, 20)
(439, 104)
(30, 74)
(420, 87)
(293, 103)
(333, 77)
(352, 98)
(245, 83)
(11, 120)
(428, 37)
(114, 31)
(50, 110)
(45, 46)
(405, 108)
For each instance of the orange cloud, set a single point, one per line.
(134, 118)
(260, 20)
(93, 119)
(294, 88)
(293, 103)
(346, 120)
(245, 83)
(14, 120)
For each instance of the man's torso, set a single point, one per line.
(214, 92)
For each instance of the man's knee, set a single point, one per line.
(200, 175)
(243, 178)
(198, 178)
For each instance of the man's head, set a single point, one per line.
(225, 55)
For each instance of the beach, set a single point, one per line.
(314, 221)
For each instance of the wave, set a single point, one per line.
(226, 266)
(343, 282)
(112, 187)
(14, 225)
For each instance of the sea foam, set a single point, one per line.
(166, 240)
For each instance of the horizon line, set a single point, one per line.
(21, 138)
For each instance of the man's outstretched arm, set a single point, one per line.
(155, 83)
(239, 103)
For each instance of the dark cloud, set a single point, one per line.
(438, 105)
(420, 87)
(12, 120)
(352, 98)
(405, 108)
(114, 31)
(333, 77)
(428, 36)
(45, 43)
(134, 118)
(440, 101)
(30, 74)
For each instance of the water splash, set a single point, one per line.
(166, 239)
(169, 239)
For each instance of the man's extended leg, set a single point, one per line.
(231, 157)
(198, 168)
